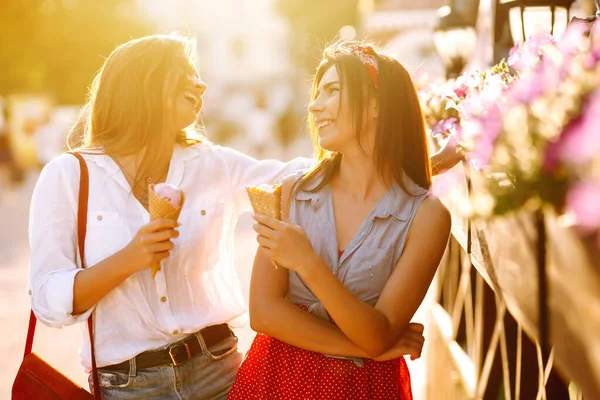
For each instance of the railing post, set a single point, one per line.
(543, 317)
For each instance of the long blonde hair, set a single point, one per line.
(131, 101)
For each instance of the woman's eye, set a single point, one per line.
(334, 90)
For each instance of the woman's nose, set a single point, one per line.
(200, 85)
(315, 106)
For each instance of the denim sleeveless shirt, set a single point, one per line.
(373, 252)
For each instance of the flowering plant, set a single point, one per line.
(443, 103)
(539, 131)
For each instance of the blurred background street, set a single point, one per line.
(257, 58)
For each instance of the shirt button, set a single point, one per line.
(175, 332)
(29, 292)
(203, 212)
(371, 275)
(163, 299)
(99, 217)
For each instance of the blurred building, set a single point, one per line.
(233, 36)
(405, 29)
(244, 57)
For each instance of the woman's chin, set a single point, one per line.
(184, 123)
(328, 144)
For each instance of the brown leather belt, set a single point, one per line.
(179, 352)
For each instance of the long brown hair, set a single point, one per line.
(400, 142)
(130, 102)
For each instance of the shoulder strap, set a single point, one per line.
(82, 212)
(84, 188)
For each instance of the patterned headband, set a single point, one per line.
(366, 55)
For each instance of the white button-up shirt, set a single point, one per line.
(196, 287)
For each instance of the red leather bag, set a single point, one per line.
(36, 378)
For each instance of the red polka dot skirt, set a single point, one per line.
(274, 370)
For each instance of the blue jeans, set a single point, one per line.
(208, 375)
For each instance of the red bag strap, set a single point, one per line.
(30, 333)
(84, 188)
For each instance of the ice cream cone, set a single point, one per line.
(266, 199)
(161, 208)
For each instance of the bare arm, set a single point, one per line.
(273, 314)
(62, 293)
(382, 325)
(150, 245)
(445, 159)
(373, 329)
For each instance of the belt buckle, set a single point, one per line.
(187, 349)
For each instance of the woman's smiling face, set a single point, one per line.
(330, 111)
(188, 99)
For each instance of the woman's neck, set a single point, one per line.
(359, 177)
(130, 165)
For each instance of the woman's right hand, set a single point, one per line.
(410, 343)
(151, 244)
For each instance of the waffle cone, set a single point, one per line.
(265, 202)
(161, 208)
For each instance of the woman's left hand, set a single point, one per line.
(284, 242)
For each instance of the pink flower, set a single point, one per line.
(595, 36)
(484, 132)
(461, 90)
(447, 126)
(526, 55)
(442, 184)
(527, 89)
(591, 60)
(545, 78)
(580, 141)
(582, 201)
(479, 102)
(571, 40)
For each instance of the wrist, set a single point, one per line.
(310, 267)
(128, 261)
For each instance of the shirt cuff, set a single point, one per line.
(54, 305)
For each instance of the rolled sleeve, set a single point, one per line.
(52, 300)
(246, 170)
(53, 243)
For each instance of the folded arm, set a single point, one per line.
(376, 329)
(273, 314)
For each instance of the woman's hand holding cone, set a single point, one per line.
(166, 202)
(151, 244)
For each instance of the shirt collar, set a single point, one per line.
(316, 197)
(396, 201)
(180, 155)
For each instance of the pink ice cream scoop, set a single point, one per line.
(168, 192)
